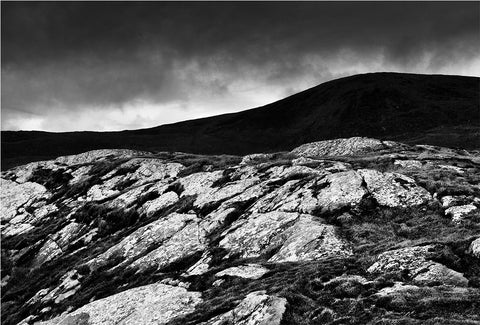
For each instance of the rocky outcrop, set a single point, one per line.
(249, 271)
(94, 155)
(406, 296)
(342, 147)
(151, 304)
(189, 240)
(458, 213)
(475, 248)
(416, 262)
(330, 235)
(256, 309)
(58, 243)
(15, 197)
(253, 236)
(164, 234)
(393, 189)
(309, 239)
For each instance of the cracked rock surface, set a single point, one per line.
(350, 231)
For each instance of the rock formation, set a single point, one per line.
(343, 231)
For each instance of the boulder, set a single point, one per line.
(341, 147)
(416, 261)
(15, 196)
(310, 239)
(186, 242)
(257, 308)
(458, 213)
(94, 155)
(474, 248)
(248, 271)
(58, 242)
(252, 236)
(163, 201)
(410, 296)
(150, 304)
(329, 193)
(393, 189)
(408, 163)
(143, 240)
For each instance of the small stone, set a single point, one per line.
(458, 213)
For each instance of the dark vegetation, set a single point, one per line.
(403, 107)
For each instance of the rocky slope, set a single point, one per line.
(350, 231)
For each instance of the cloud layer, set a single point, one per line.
(110, 66)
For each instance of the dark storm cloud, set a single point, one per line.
(60, 57)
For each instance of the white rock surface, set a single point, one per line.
(248, 271)
(393, 189)
(14, 196)
(409, 163)
(151, 304)
(257, 308)
(310, 239)
(341, 147)
(250, 237)
(475, 248)
(163, 201)
(58, 242)
(416, 260)
(93, 155)
(189, 240)
(458, 213)
(144, 239)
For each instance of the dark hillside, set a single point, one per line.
(431, 109)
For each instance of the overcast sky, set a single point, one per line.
(111, 66)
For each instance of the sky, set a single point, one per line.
(70, 66)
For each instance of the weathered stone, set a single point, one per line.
(437, 273)
(405, 296)
(409, 258)
(58, 242)
(22, 174)
(69, 285)
(198, 183)
(250, 237)
(255, 158)
(458, 213)
(79, 174)
(449, 201)
(14, 196)
(249, 271)
(456, 169)
(416, 261)
(341, 147)
(162, 202)
(408, 163)
(330, 193)
(144, 239)
(16, 229)
(201, 266)
(310, 239)
(94, 155)
(257, 308)
(475, 248)
(393, 189)
(155, 169)
(188, 241)
(151, 304)
(104, 190)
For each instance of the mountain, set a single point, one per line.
(431, 109)
(343, 231)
